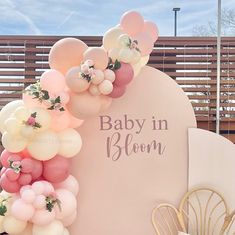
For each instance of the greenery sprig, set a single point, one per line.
(51, 202)
(114, 66)
(3, 207)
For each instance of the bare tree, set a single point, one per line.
(209, 29)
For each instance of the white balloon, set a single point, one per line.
(13, 226)
(125, 55)
(12, 126)
(136, 68)
(7, 110)
(44, 146)
(1, 224)
(94, 90)
(110, 38)
(71, 184)
(114, 54)
(66, 232)
(13, 143)
(54, 228)
(123, 41)
(136, 56)
(144, 60)
(22, 113)
(105, 87)
(70, 142)
(109, 75)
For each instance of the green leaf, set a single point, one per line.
(51, 108)
(3, 209)
(117, 65)
(45, 95)
(57, 99)
(62, 109)
(34, 115)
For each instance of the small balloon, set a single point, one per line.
(117, 92)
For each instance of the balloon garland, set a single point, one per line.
(38, 132)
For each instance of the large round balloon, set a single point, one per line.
(44, 146)
(66, 53)
(132, 22)
(70, 143)
(84, 105)
(12, 225)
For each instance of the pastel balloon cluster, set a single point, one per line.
(38, 132)
(40, 208)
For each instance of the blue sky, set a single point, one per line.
(94, 17)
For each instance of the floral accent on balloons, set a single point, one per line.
(39, 132)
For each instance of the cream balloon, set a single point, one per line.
(137, 68)
(114, 54)
(1, 224)
(54, 228)
(125, 55)
(144, 60)
(42, 117)
(7, 110)
(13, 226)
(22, 113)
(66, 232)
(13, 143)
(110, 38)
(12, 126)
(70, 143)
(27, 231)
(105, 87)
(93, 89)
(44, 145)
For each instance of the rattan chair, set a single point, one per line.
(202, 211)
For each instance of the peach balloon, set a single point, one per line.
(75, 122)
(61, 121)
(75, 82)
(132, 22)
(98, 55)
(66, 53)
(52, 81)
(145, 43)
(152, 29)
(84, 105)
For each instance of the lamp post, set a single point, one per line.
(218, 68)
(176, 9)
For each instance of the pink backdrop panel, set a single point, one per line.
(134, 156)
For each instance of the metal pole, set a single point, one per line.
(175, 23)
(175, 9)
(218, 68)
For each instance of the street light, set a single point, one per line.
(176, 9)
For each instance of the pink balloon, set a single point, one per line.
(66, 53)
(124, 75)
(27, 165)
(64, 97)
(56, 169)
(68, 203)
(48, 188)
(9, 186)
(21, 210)
(84, 105)
(152, 29)
(25, 179)
(12, 175)
(28, 195)
(70, 183)
(99, 57)
(145, 43)
(67, 221)
(39, 202)
(53, 81)
(118, 91)
(37, 170)
(43, 217)
(132, 22)
(6, 156)
(75, 122)
(60, 121)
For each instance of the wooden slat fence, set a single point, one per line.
(191, 61)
